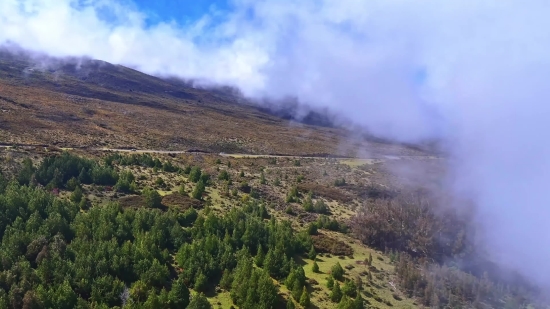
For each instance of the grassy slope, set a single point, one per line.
(382, 286)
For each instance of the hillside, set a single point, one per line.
(81, 102)
(271, 220)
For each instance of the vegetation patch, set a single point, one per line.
(330, 193)
(327, 244)
(181, 201)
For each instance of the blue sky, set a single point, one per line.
(181, 11)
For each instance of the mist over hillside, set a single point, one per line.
(470, 75)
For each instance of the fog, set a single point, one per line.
(475, 74)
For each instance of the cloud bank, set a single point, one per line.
(475, 73)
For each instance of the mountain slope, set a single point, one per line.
(80, 102)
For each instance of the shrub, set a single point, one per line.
(223, 175)
(320, 207)
(340, 182)
(262, 178)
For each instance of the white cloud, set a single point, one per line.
(487, 67)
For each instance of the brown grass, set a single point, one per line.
(327, 192)
(116, 107)
(181, 202)
(327, 244)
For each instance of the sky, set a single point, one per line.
(475, 73)
(181, 12)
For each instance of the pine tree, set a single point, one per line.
(226, 280)
(199, 190)
(267, 291)
(349, 288)
(312, 254)
(152, 198)
(77, 195)
(315, 267)
(178, 297)
(345, 303)
(195, 174)
(337, 271)
(289, 281)
(290, 304)
(260, 256)
(297, 291)
(199, 301)
(358, 302)
(304, 299)
(330, 282)
(152, 301)
(336, 293)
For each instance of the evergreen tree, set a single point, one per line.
(266, 290)
(296, 291)
(345, 303)
(349, 288)
(330, 282)
(260, 256)
(337, 271)
(290, 304)
(304, 299)
(358, 302)
(195, 174)
(226, 280)
(77, 195)
(336, 293)
(152, 198)
(312, 254)
(178, 297)
(312, 228)
(199, 190)
(199, 301)
(315, 267)
(201, 283)
(72, 184)
(152, 301)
